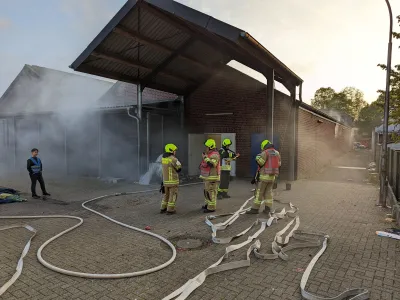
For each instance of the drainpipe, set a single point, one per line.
(139, 102)
(148, 139)
(138, 118)
(100, 144)
(182, 111)
(65, 149)
(138, 139)
(15, 143)
(162, 131)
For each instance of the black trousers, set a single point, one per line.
(35, 178)
(225, 178)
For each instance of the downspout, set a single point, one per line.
(148, 140)
(99, 144)
(15, 143)
(138, 118)
(138, 138)
(65, 149)
(162, 131)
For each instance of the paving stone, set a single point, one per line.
(355, 256)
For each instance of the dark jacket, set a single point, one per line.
(29, 165)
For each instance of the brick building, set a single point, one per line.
(170, 47)
(242, 98)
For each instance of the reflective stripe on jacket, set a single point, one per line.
(37, 165)
(269, 162)
(170, 168)
(208, 172)
(226, 157)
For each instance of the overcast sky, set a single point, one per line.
(327, 43)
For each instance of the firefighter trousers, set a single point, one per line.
(263, 194)
(210, 194)
(169, 198)
(224, 184)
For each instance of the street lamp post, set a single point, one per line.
(383, 169)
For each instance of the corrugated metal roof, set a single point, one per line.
(38, 90)
(173, 48)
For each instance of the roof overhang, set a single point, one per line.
(168, 46)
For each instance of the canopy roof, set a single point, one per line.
(168, 46)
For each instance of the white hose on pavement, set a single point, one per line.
(82, 274)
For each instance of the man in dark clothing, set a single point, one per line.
(35, 168)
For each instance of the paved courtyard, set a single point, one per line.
(337, 201)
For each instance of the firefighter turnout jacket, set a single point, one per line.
(210, 169)
(170, 169)
(226, 157)
(268, 161)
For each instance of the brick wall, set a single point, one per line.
(233, 92)
(319, 143)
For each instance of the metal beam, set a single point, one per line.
(251, 61)
(292, 135)
(126, 78)
(148, 139)
(149, 77)
(244, 58)
(133, 35)
(270, 104)
(263, 54)
(133, 63)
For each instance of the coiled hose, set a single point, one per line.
(82, 274)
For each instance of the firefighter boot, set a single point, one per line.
(252, 211)
(267, 210)
(225, 195)
(220, 195)
(163, 211)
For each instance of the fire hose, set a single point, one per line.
(19, 267)
(279, 249)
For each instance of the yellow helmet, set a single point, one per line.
(210, 143)
(264, 143)
(170, 148)
(226, 142)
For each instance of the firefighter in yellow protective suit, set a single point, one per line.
(226, 156)
(170, 171)
(210, 173)
(269, 161)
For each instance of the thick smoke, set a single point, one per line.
(60, 114)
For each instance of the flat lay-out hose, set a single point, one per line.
(80, 222)
(280, 246)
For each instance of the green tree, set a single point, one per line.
(350, 100)
(370, 116)
(357, 100)
(323, 98)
